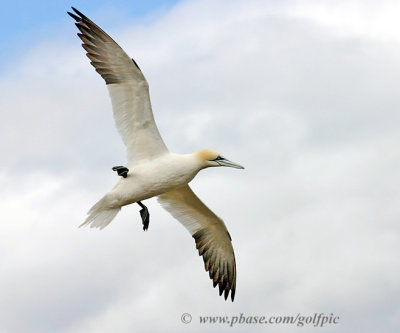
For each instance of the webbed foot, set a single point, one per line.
(145, 215)
(121, 170)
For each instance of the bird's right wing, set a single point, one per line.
(128, 88)
(209, 231)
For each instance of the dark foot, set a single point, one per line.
(144, 213)
(122, 171)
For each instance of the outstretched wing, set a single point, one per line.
(128, 88)
(209, 231)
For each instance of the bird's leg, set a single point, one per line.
(144, 213)
(121, 170)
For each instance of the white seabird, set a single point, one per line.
(154, 170)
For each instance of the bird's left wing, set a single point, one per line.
(210, 233)
(128, 88)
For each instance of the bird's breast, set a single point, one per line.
(151, 179)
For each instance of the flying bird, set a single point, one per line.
(153, 171)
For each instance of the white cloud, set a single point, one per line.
(304, 97)
(371, 19)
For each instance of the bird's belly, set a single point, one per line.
(143, 184)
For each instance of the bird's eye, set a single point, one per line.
(218, 158)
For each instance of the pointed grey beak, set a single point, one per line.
(227, 163)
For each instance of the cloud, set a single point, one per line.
(307, 102)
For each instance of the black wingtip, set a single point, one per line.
(221, 289)
(76, 18)
(78, 12)
(226, 293)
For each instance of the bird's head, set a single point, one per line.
(211, 158)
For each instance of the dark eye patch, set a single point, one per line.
(218, 158)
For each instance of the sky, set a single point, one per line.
(304, 94)
(25, 23)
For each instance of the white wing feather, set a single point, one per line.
(210, 233)
(128, 88)
(134, 120)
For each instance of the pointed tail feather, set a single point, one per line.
(100, 215)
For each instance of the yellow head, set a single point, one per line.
(212, 158)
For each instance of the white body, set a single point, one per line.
(152, 178)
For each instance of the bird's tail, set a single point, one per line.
(100, 215)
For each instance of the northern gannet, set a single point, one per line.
(154, 171)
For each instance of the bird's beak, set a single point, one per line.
(228, 163)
